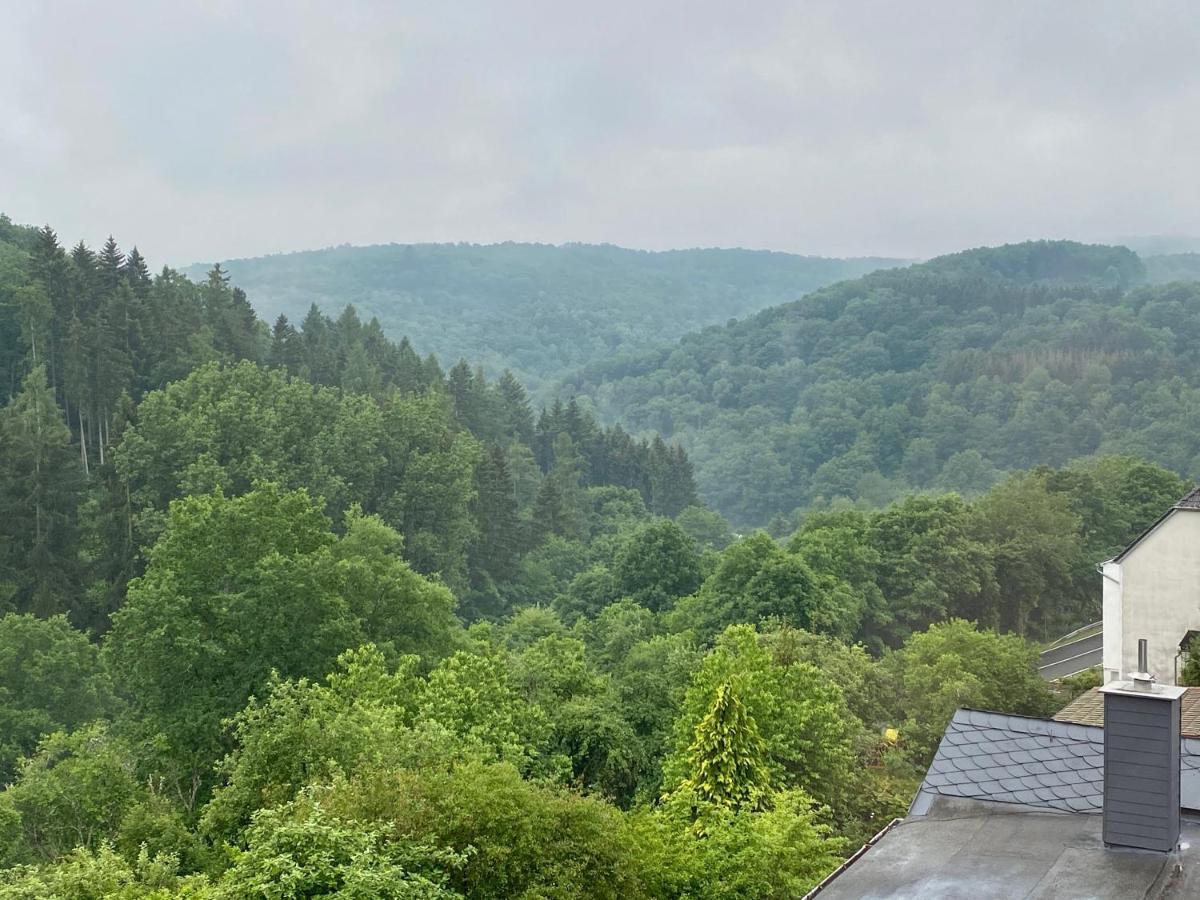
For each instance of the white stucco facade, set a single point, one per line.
(1113, 620)
(1152, 591)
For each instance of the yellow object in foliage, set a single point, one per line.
(891, 735)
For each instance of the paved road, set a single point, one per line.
(1073, 657)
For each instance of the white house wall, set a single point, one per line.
(1113, 621)
(1158, 594)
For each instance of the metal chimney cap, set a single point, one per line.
(1157, 692)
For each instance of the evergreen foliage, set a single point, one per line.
(124, 391)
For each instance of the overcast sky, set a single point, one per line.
(204, 131)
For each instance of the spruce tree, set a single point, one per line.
(460, 385)
(496, 547)
(243, 327)
(672, 485)
(49, 268)
(41, 486)
(549, 511)
(111, 520)
(77, 384)
(514, 402)
(286, 349)
(359, 374)
(320, 356)
(567, 475)
(83, 279)
(113, 357)
(36, 314)
(431, 372)
(48, 265)
(347, 330)
(410, 377)
(110, 263)
(137, 273)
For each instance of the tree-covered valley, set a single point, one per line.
(538, 310)
(300, 609)
(941, 376)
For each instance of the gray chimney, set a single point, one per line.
(1141, 761)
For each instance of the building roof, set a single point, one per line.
(1015, 759)
(977, 848)
(1191, 501)
(1088, 709)
(1011, 807)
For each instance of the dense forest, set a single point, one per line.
(292, 611)
(1172, 267)
(940, 376)
(538, 310)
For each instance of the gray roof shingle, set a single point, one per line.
(1034, 762)
(1013, 759)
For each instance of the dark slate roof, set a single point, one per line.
(1010, 808)
(1033, 762)
(1015, 759)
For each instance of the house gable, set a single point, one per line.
(1191, 502)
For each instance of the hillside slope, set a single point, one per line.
(1172, 267)
(936, 375)
(539, 310)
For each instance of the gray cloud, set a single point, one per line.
(219, 129)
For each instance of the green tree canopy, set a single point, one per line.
(800, 714)
(954, 665)
(41, 487)
(657, 564)
(756, 579)
(239, 587)
(50, 680)
(727, 757)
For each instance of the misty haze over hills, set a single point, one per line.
(536, 309)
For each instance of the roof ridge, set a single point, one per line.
(1190, 500)
(1019, 722)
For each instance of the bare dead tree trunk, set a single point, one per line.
(83, 442)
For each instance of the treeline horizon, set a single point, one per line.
(539, 310)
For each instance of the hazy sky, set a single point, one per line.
(203, 131)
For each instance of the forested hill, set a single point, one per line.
(1172, 267)
(939, 375)
(539, 310)
(122, 391)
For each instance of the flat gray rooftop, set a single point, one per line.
(966, 848)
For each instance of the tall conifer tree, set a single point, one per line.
(40, 491)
